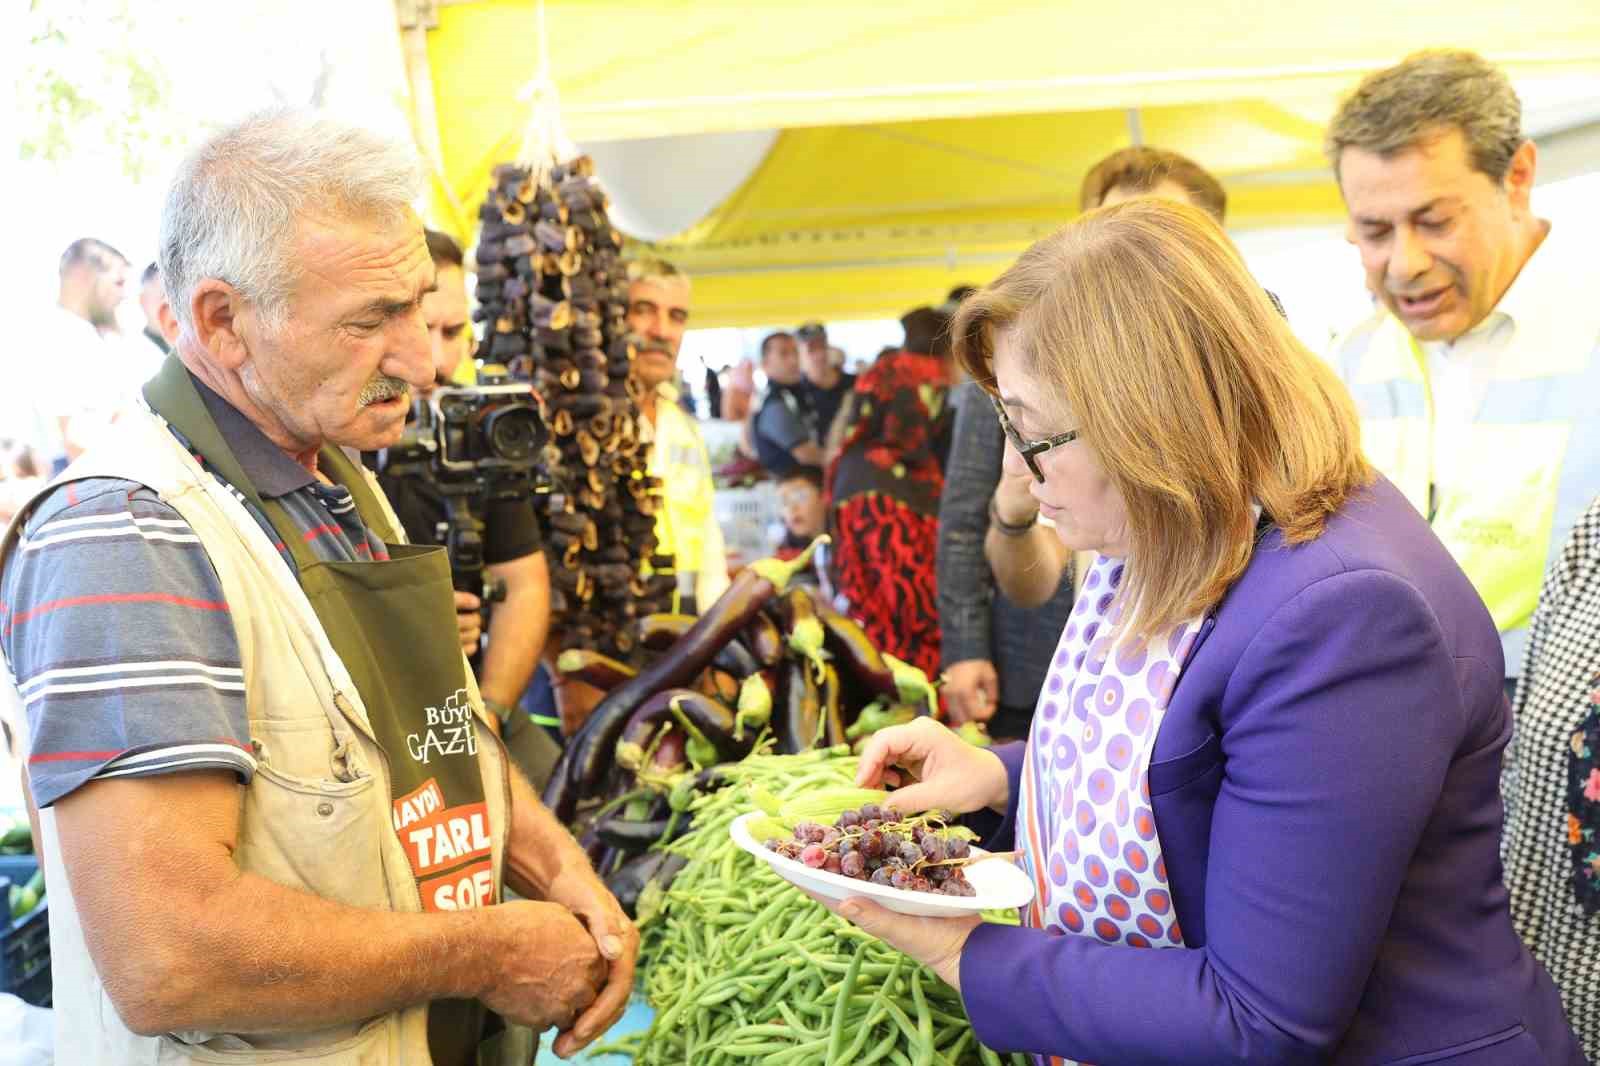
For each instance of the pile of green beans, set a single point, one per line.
(741, 967)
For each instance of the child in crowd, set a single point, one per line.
(802, 507)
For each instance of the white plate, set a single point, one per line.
(998, 883)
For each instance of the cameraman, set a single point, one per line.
(512, 549)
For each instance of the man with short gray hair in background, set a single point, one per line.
(1478, 374)
(273, 828)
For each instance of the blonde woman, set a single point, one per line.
(1259, 799)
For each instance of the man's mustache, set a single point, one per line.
(642, 344)
(383, 387)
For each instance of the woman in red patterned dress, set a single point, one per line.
(884, 490)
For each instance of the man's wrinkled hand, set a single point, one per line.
(550, 970)
(469, 621)
(617, 939)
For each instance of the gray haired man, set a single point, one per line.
(272, 825)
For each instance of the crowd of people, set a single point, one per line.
(1329, 621)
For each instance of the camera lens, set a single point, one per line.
(514, 433)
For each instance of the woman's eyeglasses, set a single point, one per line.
(1029, 450)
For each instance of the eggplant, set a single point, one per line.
(636, 836)
(629, 880)
(763, 640)
(670, 869)
(707, 781)
(855, 652)
(592, 748)
(681, 706)
(713, 719)
(593, 847)
(832, 721)
(660, 633)
(736, 660)
(668, 756)
(797, 725)
(592, 668)
(628, 835)
(718, 684)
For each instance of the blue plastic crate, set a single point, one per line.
(25, 943)
(18, 867)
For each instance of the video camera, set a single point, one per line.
(473, 444)
(474, 432)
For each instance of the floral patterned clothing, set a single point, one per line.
(884, 493)
(1084, 817)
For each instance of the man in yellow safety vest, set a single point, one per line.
(1478, 374)
(686, 525)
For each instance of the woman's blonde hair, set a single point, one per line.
(1141, 322)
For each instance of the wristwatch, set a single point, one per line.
(1006, 527)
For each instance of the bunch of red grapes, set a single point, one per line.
(915, 854)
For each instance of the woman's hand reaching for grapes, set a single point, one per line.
(930, 767)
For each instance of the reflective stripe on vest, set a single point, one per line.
(1533, 457)
(678, 457)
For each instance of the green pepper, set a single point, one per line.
(974, 733)
(875, 716)
(700, 751)
(806, 633)
(912, 684)
(755, 705)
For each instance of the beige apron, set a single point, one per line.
(392, 623)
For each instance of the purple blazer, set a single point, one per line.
(1326, 787)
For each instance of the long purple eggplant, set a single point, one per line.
(797, 726)
(734, 659)
(593, 668)
(592, 747)
(637, 836)
(833, 724)
(853, 650)
(764, 641)
(714, 720)
(658, 632)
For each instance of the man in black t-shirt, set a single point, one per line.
(787, 433)
(826, 383)
(512, 548)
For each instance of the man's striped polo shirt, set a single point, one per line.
(113, 622)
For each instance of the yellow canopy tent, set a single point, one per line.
(923, 145)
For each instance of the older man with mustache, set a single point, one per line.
(658, 314)
(273, 828)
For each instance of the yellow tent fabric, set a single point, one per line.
(869, 220)
(925, 144)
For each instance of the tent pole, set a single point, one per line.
(1135, 128)
(416, 18)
